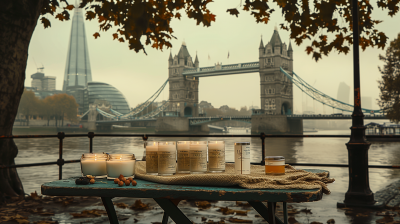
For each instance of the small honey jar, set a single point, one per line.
(275, 165)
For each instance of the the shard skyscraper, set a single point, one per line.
(77, 68)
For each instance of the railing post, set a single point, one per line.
(91, 136)
(144, 137)
(359, 193)
(60, 161)
(262, 136)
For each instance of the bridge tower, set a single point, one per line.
(183, 89)
(276, 89)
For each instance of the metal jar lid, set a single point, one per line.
(242, 143)
(274, 158)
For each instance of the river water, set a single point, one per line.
(300, 150)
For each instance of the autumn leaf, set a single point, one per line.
(96, 35)
(178, 15)
(115, 36)
(309, 50)
(233, 12)
(316, 56)
(90, 15)
(139, 205)
(121, 39)
(208, 18)
(60, 17)
(45, 22)
(101, 19)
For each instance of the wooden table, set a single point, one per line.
(168, 196)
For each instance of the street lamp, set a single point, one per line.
(359, 193)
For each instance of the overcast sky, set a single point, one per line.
(138, 76)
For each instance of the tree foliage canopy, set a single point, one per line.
(58, 106)
(390, 84)
(305, 19)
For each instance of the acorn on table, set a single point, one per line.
(121, 180)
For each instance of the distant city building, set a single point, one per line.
(254, 107)
(103, 91)
(344, 93)
(366, 102)
(78, 74)
(77, 67)
(43, 86)
(224, 108)
(42, 82)
(203, 105)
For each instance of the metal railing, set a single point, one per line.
(61, 135)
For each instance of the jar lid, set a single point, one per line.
(275, 158)
(242, 143)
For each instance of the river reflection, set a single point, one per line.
(301, 150)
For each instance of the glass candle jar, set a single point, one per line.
(216, 156)
(275, 165)
(198, 157)
(118, 164)
(166, 158)
(152, 158)
(94, 164)
(242, 157)
(183, 161)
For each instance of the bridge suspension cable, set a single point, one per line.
(115, 112)
(84, 114)
(155, 112)
(144, 105)
(105, 114)
(322, 97)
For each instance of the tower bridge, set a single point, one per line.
(181, 113)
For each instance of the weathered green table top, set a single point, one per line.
(146, 189)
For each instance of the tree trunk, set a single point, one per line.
(18, 19)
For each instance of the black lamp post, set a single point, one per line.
(358, 194)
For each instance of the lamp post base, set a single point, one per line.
(375, 205)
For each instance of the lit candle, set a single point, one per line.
(183, 163)
(121, 164)
(94, 164)
(152, 158)
(198, 157)
(166, 158)
(216, 156)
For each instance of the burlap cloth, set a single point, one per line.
(257, 179)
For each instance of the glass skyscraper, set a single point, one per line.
(77, 68)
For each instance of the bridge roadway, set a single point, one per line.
(247, 119)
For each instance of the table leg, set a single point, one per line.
(165, 216)
(268, 213)
(285, 214)
(112, 216)
(171, 210)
